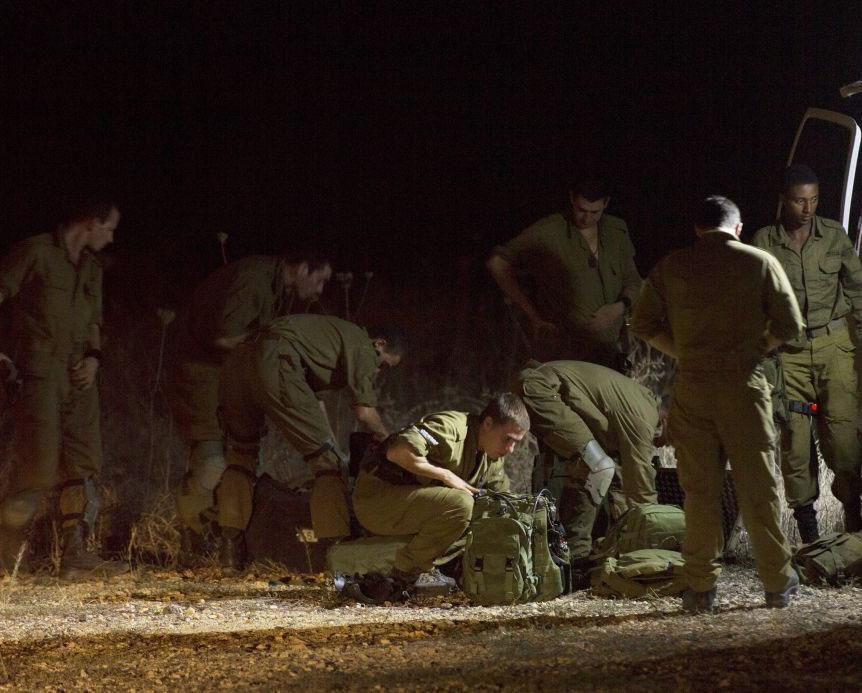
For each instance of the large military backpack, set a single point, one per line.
(647, 526)
(639, 574)
(834, 559)
(516, 550)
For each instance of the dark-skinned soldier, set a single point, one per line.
(422, 480)
(234, 302)
(54, 283)
(276, 376)
(584, 413)
(818, 366)
(718, 307)
(582, 266)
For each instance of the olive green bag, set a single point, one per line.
(834, 559)
(515, 550)
(647, 526)
(642, 573)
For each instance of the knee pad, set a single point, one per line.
(18, 510)
(207, 464)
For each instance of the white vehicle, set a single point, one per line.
(828, 141)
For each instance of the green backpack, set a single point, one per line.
(648, 526)
(834, 559)
(639, 574)
(516, 550)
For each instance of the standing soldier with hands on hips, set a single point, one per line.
(718, 307)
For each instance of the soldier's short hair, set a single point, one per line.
(396, 340)
(75, 206)
(315, 258)
(798, 174)
(590, 188)
(507, 407)
(717, 212)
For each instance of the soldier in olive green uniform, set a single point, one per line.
(581, 410)
(276, 375)
(718, 307)
(818, 366)
(54, 283)
(234, 302)
(582, 266)
(422, 480)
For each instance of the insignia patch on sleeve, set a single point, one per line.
(427, 436)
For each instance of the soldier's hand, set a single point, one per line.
(83, 373)
(454, 481)
(543, 328)
(605, 316)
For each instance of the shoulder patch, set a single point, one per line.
(425, 433)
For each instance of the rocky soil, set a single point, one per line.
(268, 630)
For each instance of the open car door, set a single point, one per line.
(829, 142)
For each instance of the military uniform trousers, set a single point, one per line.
(260, 380)
(193, 395)
(558, 426)
(718, 415)
(823, 372)
(437, 516)
(56, 440)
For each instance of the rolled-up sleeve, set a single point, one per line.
(649, 316)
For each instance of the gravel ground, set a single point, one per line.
(157, 630)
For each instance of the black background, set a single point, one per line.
(401, 137)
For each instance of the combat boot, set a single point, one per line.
(780, 600)
(806, 522)
(581, 572)
(853, 516)
(79, 562)
(699, 602)
(194, 550)
(13, 550)
(434, 583)
(231, 554)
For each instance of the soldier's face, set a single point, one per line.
(585, 213)
(309, 285)
(102, 230)
(387, 358)
(499, 440)
(799, 204)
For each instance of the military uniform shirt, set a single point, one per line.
(55, 301)
(240, 297)
(449, 440)
(601, 404)
(696, 294)
(333, 353)
(826, 276)
(571, 284)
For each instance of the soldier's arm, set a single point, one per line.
(402, 454)
(369, 417)
(504, 274)
(782, 310)
(649, 317)
(229, 343)
(851, 278)
(631, 277)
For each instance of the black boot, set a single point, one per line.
(806, 522)
(78, 562)
(232, 551)
(13, 550)
(194, 549)
(853, 516)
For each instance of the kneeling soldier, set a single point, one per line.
(422, 480)
(276, 375)
(582, 412)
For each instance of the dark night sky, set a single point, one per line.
(403, 137)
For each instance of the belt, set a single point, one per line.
(837, 325)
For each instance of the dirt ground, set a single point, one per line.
(270, 630)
